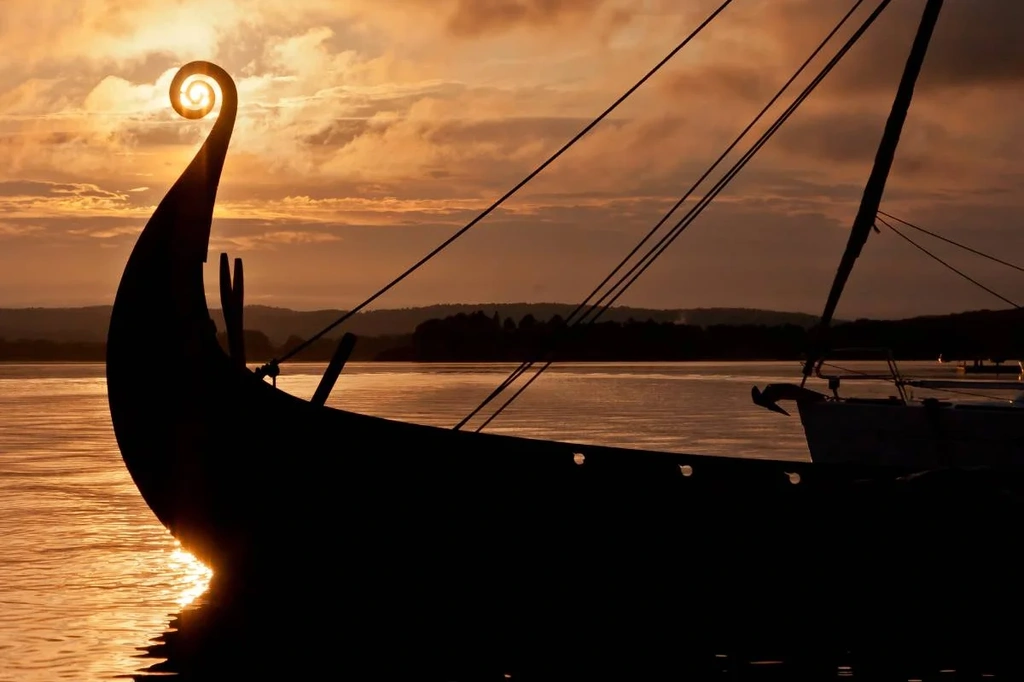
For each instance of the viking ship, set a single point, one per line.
(486, 541)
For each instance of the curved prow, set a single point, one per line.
(168, 256)
(160, 323)
(185, 214)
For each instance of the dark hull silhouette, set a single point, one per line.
(488, 544)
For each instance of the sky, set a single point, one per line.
(370, 131)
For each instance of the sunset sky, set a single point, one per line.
(370, 130)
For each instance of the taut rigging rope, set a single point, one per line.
(272, 367)
(950, 241)
(571, 319)
(667, 239)
(945, 264)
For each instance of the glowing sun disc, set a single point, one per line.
(198, 96)
(198, 93)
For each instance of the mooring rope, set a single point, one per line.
(571, 319)
(272, 368)
(694, 212)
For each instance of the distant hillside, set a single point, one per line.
(55, 324)
(89, 325)
(484, 335)
(707, 317)
(280, 323)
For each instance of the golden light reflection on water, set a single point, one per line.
(87, 573)
(194, 575)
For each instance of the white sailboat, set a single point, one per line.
(899, 429)
(902, 430)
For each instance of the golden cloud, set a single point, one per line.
(421, 112)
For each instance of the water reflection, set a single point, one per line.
(300, 632)
(293, 630)
(195, 576)
(85, 567)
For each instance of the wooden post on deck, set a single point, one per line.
(232, 295)
(330, 377)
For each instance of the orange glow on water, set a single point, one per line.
(195, 576)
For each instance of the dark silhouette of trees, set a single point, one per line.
(483, 337)
(480, 338)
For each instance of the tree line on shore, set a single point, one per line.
(480, 337)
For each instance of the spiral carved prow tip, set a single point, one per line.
(186, 211)
(193, 96)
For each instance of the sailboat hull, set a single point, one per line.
(916, 435)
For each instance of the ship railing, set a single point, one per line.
(901, 382)
(861, 353)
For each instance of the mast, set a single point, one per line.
(875, 187)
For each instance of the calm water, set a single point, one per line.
(88, 577)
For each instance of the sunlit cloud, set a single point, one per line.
(412, 116)
(8, 230)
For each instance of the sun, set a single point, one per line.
(198, 96)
